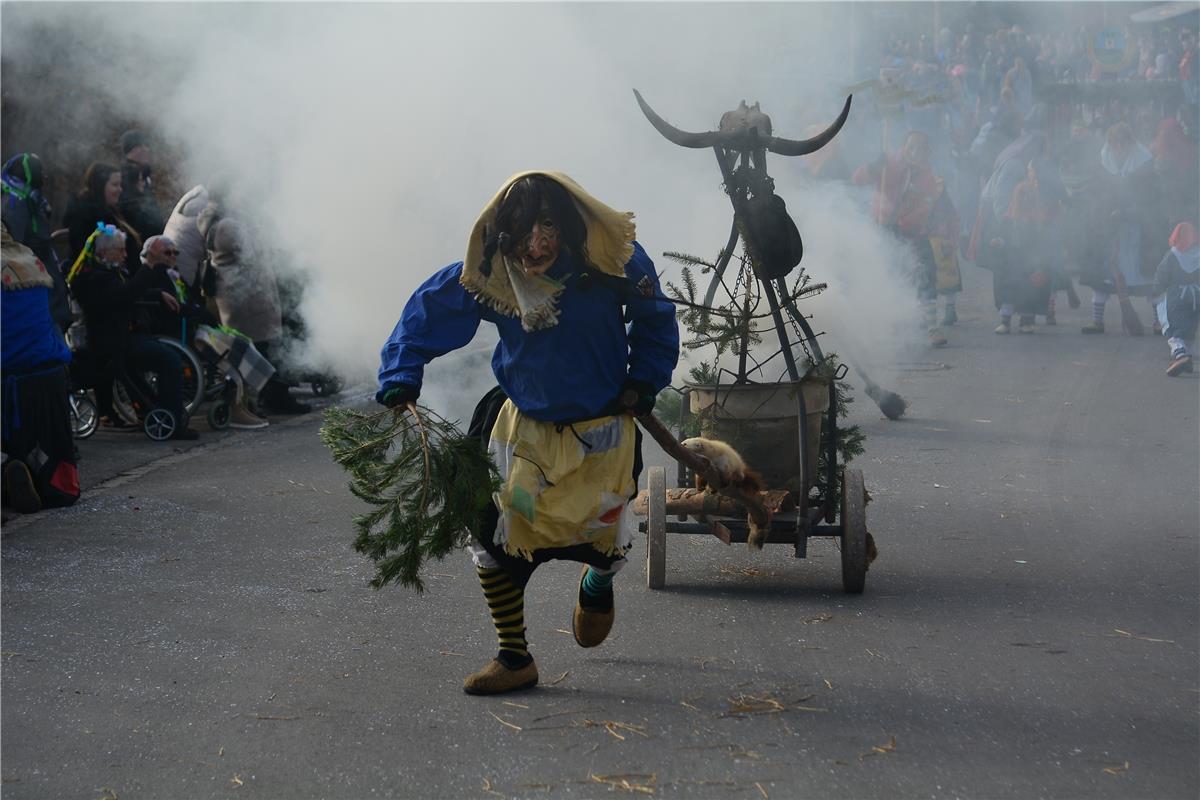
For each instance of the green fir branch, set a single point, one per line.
(426, 492)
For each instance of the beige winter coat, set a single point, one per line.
(247, 295)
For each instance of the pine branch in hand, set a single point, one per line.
(425, 480)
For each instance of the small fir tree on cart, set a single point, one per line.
(736, 328)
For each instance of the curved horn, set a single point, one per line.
(673, 134)
(792, 147)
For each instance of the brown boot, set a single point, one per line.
(591, 627)
(495, 678)
(19, 490)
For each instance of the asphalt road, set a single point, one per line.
(199, 626)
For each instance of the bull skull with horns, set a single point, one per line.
(741, 142)
(744, 128)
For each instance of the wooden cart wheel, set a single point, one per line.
(854, 531)
(656, 528)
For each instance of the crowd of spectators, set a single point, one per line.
(110, 292)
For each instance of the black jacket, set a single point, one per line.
(109, 298)
(162, 321)
(140, 209)
(80, 219)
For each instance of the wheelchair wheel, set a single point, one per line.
(218, 415)
(193, 374)
(84, 417)
(159, 424)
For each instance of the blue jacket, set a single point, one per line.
(29, 338)
(573, 370)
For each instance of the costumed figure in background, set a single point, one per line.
(39, 452)
(1127, 199)
(26, 212)
(906, 191)
(1022, 251)
(575, 359)
(988, 234)
(1176, 150)
(1178, 280)
(944, 229)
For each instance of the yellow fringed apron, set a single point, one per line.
(563, 485)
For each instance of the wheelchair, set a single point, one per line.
(133, 394)
(85, 418)
(214, 382)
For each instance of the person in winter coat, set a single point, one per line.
(1177, 279)
(138, 203)
(98, 201)
(183, 230)
(39, 467)
(584, 343)
(26, 212)
(247, 295)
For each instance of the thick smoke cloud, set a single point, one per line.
(367, 137)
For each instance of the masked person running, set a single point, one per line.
(583, 345)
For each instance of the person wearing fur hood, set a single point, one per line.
(584, 344)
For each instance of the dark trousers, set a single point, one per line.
(37, 430)
(1183, 311)
(145, 354)
(275, 391)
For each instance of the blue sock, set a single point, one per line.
(597, 585)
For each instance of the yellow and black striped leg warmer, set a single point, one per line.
(506, 603)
